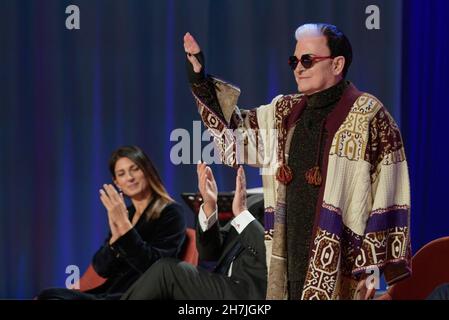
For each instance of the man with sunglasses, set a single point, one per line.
(336, 183)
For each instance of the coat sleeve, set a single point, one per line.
(241, 136)
(105, 260)
(385, 245)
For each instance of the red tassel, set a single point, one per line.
(313, 176)
(284, 174)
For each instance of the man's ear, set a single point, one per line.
(338, 65)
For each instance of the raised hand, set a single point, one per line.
(239, 202)
(207, 187)
(191, 47)
(117, 212)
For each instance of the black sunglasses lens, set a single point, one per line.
(293, 62)
(306, 61)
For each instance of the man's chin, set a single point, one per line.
(301, 90)
(307, 91)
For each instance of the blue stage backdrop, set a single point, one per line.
(70, 97)
(424, 112)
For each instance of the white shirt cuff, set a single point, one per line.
(242, 220)
(205, 222)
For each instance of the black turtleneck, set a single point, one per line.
(301, 198)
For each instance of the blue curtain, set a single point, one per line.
(70, 97)
(424, 113)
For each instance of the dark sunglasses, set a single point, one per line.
(307, 60)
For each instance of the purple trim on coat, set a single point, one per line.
(331, 221)
(269, 220)
(387, 220)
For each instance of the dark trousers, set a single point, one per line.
(69, 294)
(440, 293)
(174, 279)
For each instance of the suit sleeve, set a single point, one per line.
(253, 238)
(210, 242)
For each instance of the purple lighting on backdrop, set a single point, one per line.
(168, 177)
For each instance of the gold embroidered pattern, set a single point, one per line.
(381, 247)
(323, 267)
(352, 137)
(222, 136)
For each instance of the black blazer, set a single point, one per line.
(246, 252)
(134, 252)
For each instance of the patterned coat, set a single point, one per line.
(362, 220)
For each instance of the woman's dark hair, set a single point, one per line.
(158, 192)
(337, 42)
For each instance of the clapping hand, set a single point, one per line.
(239, 202)
(207, 187)
(117, 213)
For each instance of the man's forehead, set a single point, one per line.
(312, 44)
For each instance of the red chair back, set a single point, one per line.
(189, 253)
(430, 268)
(90, 279)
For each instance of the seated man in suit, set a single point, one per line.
(241, 270)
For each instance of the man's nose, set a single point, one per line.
(299, 68)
